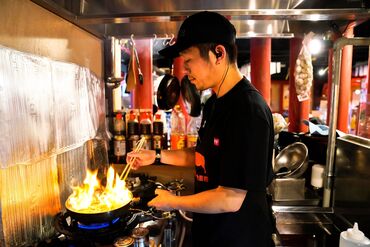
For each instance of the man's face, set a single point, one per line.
(198, 70)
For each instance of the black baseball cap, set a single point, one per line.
(202, 27)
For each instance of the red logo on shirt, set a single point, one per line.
(216, 141)
(200, 168)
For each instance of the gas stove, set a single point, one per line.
(71, 232)
(103, 233)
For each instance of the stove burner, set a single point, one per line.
(103, 233)
(96, 232)
(96, 226)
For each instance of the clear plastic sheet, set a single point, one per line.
(47, 107)
(52, 127)
(26, 124)
(71, 170)
(71, 105)
(32, 195)
(29, 200)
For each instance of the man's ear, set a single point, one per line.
(219, 51)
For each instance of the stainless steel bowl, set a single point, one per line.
(292, 161)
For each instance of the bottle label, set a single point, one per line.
(118, 125)
(120, 147)
(147, 144)
(157, 142)
(132, 142)
(191, 140)
(178, 141)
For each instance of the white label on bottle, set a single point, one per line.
(157, 142)
(119, 147)
(147, 145)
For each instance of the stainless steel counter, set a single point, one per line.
(306, 229)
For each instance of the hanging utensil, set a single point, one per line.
(168, 92)
(134, 72)
(140, 74)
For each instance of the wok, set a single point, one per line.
(168, 92)
(89, 218)
(292, 161)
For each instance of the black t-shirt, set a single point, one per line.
(235, 150)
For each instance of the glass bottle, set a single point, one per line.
(132, 132)
(119, 143)
(178, 128)
(192, 132)
(158, 132)
(145, 130)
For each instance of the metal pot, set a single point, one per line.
(89, 218)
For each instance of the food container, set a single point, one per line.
(288, 189)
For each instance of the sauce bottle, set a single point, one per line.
(158, 132)
(178, 137)
(353, 237)
(132, 132)
(146, 130)
(119, 140)
(192, 132)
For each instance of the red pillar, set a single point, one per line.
(298, 111)
(142, 96)
(260, 50)
(345, 83)
(178, 68)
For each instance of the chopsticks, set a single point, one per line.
(127, 169)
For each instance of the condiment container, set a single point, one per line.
(353, 237)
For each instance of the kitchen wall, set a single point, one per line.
(27, 27)
(52, 109)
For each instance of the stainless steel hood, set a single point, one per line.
(252, 18)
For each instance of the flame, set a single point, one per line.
(92, 197)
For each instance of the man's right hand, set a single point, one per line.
(143, 158)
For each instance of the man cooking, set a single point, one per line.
(234, 149)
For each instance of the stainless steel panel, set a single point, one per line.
(352, 176)
(98, 7)
(287, 189)
(121, 18)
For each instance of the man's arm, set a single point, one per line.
(219, 200)
(181, 157)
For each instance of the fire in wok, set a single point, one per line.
(94, 198)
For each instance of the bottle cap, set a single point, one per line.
(355, 234)
(157, 117)
(132, 116)
(119, 116)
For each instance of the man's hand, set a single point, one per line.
(143, 158)
(163, 200)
